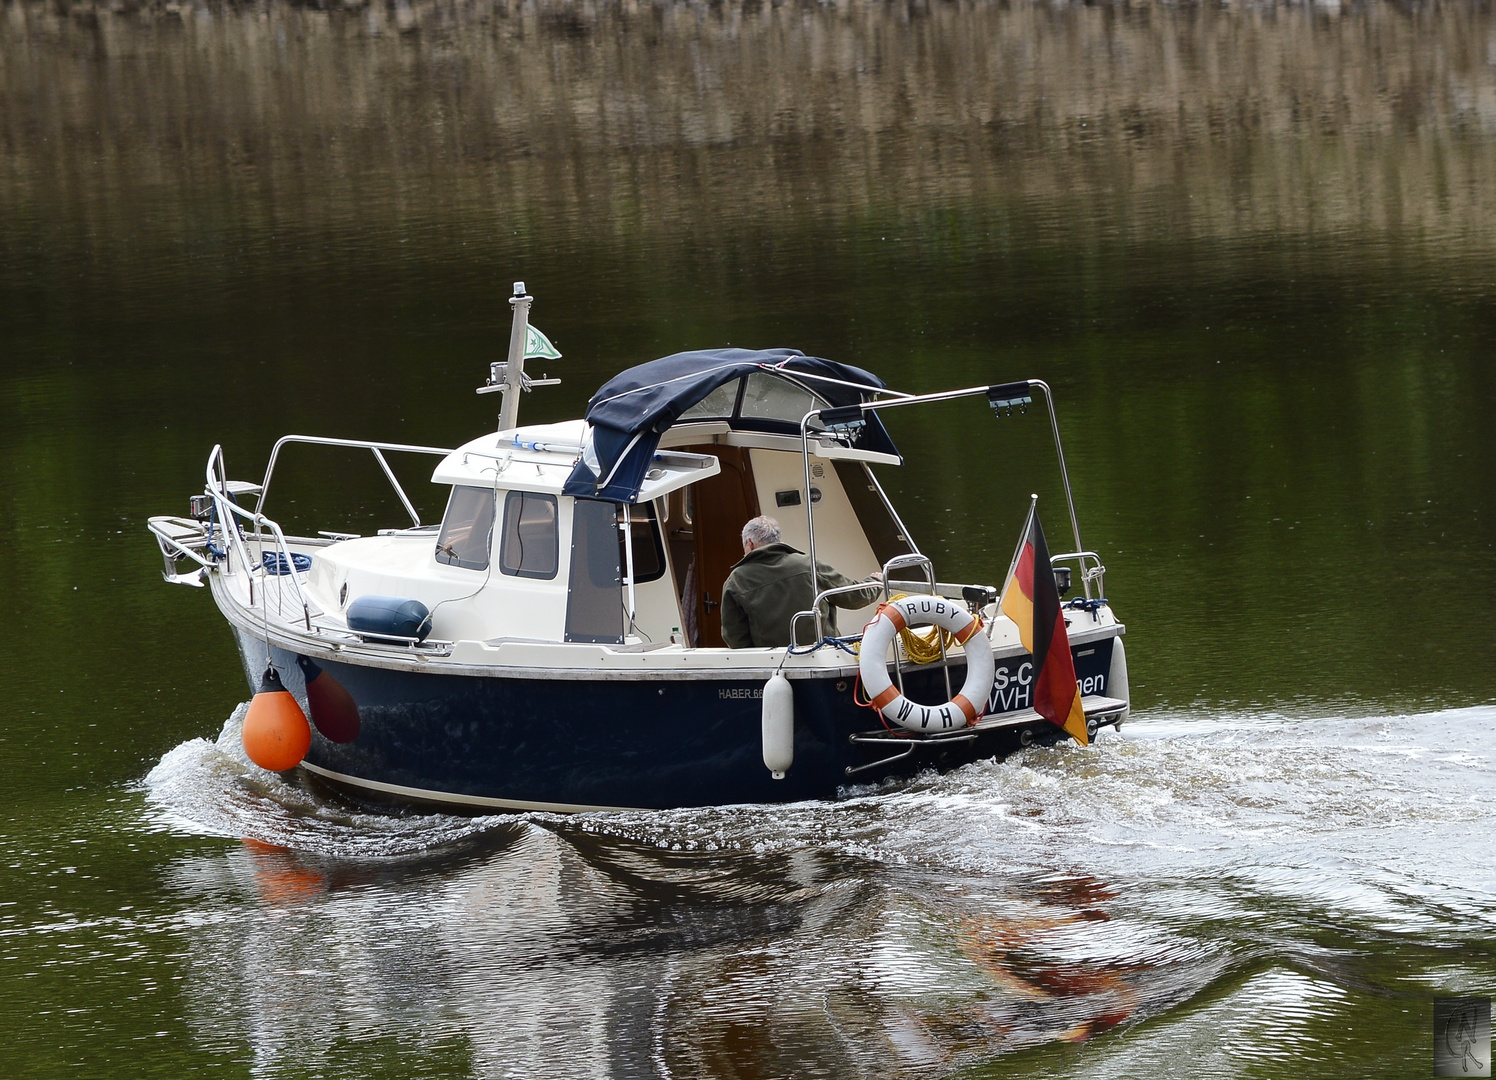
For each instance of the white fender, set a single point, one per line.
(1116, 681)
(961, 710)
(779, 725)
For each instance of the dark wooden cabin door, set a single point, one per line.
(719, 507)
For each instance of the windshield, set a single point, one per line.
(467, 529)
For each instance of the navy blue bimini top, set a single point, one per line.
(633, 409)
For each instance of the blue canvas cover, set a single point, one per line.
(633, 409)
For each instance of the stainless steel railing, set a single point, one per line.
(377, 448)
(229, 512)
(1089, 564)
(992, 393)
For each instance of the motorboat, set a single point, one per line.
(555, 641)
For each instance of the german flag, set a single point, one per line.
(1033, 602)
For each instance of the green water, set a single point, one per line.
(1253, 251)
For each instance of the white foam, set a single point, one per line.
(212, 788)
(1394, 806)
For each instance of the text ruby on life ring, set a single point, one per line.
(961, 710)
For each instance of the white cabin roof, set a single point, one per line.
(539, 457)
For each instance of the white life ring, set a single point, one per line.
(961, 710)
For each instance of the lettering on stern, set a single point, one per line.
(1013, 687)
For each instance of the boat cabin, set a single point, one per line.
(623, 534)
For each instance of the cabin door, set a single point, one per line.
(719, 506)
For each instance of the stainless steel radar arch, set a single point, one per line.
(999, 396)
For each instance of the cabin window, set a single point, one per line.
(649, 549)
(768, 397)
(531, 546)
(594, 597)
(718, 405)
(467, 529)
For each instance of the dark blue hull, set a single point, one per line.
(498, 742)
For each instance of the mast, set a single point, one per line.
(514, 368)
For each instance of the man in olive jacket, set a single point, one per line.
(771, 583)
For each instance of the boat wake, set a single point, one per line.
(210, 787)
(1260, 874)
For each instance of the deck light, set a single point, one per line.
(845, 422)
(1006, 395)
(977, 597)
(1062, 579)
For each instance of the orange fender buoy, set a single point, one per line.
(276, 735)
(333, 709)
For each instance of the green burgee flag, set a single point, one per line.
(538, 346)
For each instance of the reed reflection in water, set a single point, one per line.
(602, 124)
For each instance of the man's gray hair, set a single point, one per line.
(762, 530)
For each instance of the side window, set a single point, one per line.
(467, 529)
(649, 549)
(531, 546)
